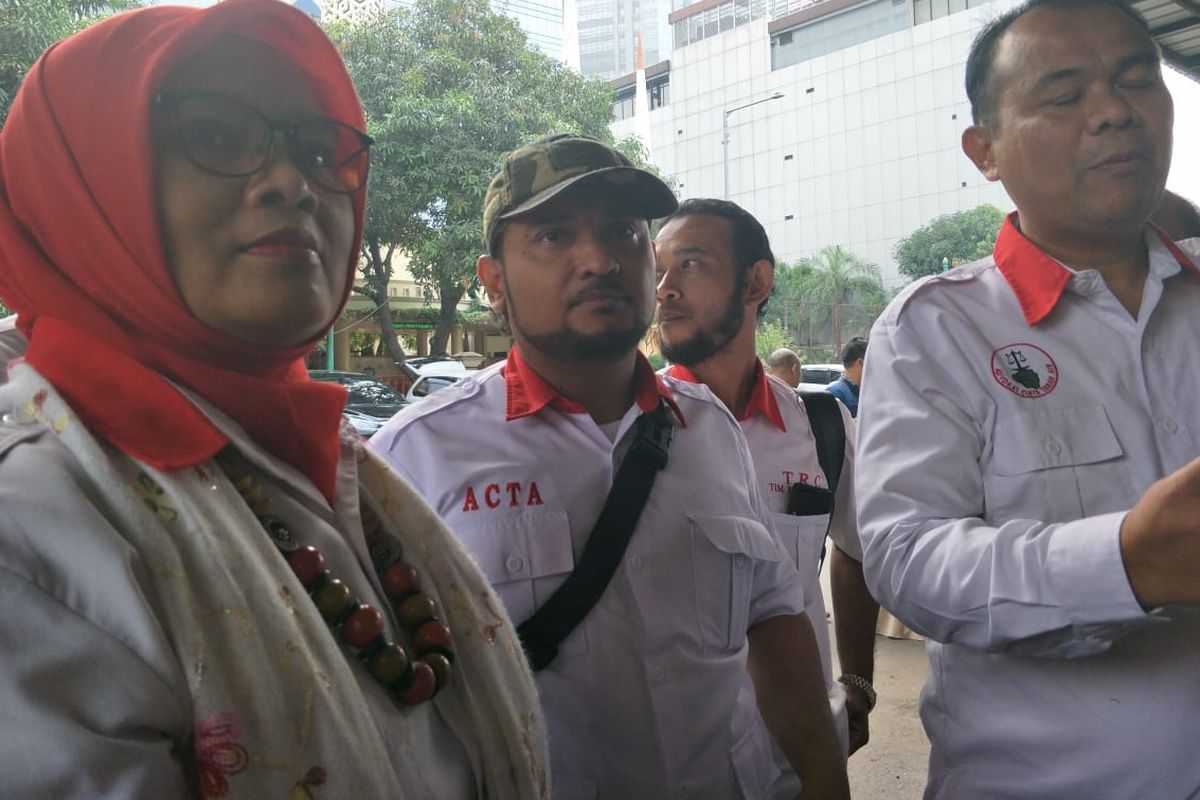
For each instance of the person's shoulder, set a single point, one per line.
(461, 397)
(702, 410)
(941, 290)
(696, 399)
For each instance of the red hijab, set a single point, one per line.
(82, 259)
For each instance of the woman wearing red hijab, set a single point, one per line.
(211, 589)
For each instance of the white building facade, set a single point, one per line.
(862, 148)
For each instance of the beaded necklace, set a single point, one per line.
(360, 625)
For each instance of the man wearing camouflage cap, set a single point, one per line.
(698, 622)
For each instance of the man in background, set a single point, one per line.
(716, 271)
(847, 387)
(785, 365)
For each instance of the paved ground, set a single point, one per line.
(892, 766)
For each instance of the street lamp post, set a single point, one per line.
(725, 133)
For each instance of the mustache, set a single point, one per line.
(606, 289)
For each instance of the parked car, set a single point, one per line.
(430, 373)
(815, 377)
(370, 403)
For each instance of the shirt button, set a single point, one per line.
(514, 564)
(1053, 447)
(636, 562)
(1170, 425)
(658, 674)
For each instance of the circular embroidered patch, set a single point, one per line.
(1024, 369)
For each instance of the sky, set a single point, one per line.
(1184, 178)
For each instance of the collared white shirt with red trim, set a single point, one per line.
(649, 697)
(1013, 413)
(785, 452)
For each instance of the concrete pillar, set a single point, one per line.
(456, 340)
(422, 342)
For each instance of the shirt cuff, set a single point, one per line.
(1087, 573)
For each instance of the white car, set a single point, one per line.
(815, 377)
(430, 373)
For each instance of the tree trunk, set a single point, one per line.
(450, 294)
(377, 275)
(837, 328)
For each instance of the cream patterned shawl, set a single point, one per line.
(302, 727)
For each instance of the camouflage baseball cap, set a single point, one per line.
(540, 171)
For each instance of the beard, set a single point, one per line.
(709, 339)
(569, 345)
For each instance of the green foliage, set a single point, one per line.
(958, 238)
(28, 27)
(449, 87)
(826, 298)
(769, 337)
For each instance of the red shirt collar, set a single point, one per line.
(1036, 278)
(527, 393)
(762, 399)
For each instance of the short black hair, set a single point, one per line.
(750, 242)
(981, 85)
(855, 349)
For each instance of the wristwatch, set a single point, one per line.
(861, 683)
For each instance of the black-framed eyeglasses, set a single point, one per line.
(227, 137)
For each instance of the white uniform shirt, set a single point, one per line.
(785, 452)
(1014, 412)
(649, 697)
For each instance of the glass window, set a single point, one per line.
(957, 5)
(860, 24)
(939, 8)
(741, 9)
(726, 10)
(920, 11)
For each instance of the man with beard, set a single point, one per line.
(700, 619)
(716, 272)
(1029, 492)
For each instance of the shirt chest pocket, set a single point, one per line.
(1069, 459)
(725, 553)
(525, 558)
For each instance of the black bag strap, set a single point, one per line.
(543, 632)
(829, 432)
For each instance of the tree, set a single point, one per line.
(841, 290)
(769, 337)
(951, 239)
(28, 27)
(789, 289)
(449, 87)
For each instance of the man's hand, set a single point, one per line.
(1160, 540)
(858, 713)
(855, 613)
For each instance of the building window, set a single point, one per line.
(659, 95)
(838, 31)
(726, 16)
(929, 10)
